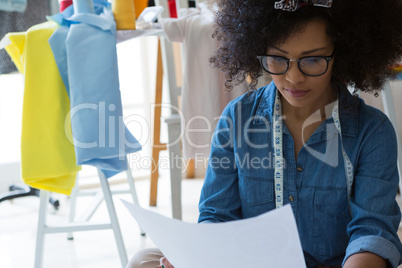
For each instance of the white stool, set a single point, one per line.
(97, 200)
(43, 228)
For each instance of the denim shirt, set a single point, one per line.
(239, 181)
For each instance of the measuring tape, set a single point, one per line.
(278, 151)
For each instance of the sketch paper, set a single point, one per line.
(270, 240)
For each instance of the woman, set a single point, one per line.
(304, 139)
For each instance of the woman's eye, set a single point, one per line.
(276, 59)
(312, 60)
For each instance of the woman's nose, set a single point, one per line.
(294, 75)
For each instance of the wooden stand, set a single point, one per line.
(157, 146)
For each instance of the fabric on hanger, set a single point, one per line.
(47, 156)
(101, 138)
(203, 94)
(172, 8)
(140, 5)
(397, 71)
(64, 4)
(124, 14)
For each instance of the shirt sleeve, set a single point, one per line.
(220, 200)
(375, 213)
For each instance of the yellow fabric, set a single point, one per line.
(124, 14)
(47, 156)
(139, 6)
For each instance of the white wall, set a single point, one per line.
(11, 94)
(396, 89)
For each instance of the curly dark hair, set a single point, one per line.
(367, 35)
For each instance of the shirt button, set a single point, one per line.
(300, 169)
(291, 199)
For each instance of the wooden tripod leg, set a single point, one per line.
(157, 146)
(190, 171)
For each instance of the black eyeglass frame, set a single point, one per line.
(326, 58)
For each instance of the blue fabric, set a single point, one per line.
(83, 6)
(85, 51)
(398, 76)
(239, 182)
(58, 45)
(58, 40)
(13, 5)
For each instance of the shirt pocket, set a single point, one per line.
(331, 217)
(255, 190)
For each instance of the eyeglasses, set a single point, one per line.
(310, 65)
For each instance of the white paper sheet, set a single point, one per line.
(270, 240)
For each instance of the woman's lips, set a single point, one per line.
(297, 93)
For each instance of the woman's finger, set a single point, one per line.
(165, 263)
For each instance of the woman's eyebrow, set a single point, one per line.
(303, 53)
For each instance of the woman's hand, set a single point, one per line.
(164, 263)
(365, 259)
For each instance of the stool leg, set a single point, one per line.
(40, 234)
(73, 203)
(175, 166)
(113, 218)
(133, 191)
